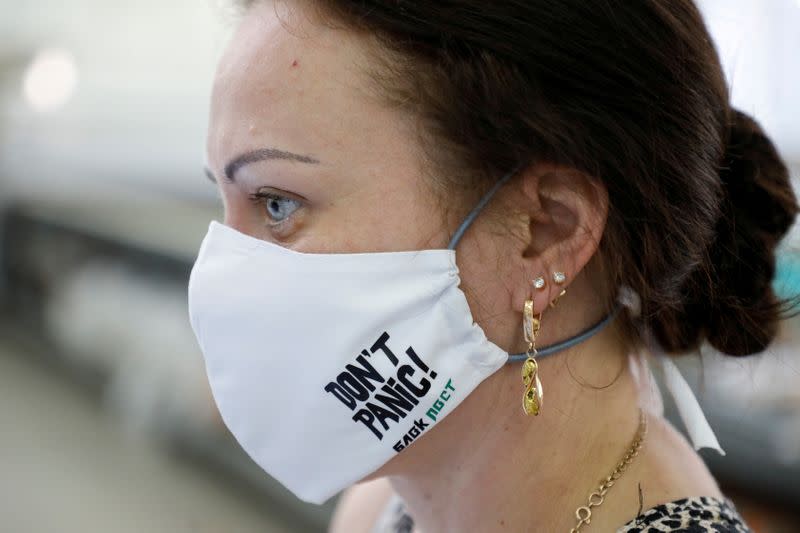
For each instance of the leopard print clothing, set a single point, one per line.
(697, 514)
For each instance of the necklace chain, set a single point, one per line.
(584, 513)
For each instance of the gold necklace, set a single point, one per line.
(584, 513)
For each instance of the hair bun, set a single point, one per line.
(757, 209)
(728, 297)
(754, 174)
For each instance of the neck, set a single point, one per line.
(491, 468)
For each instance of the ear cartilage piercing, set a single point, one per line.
(539, 283)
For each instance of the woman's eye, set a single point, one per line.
(277, 207)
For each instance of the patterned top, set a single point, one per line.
(696, 514)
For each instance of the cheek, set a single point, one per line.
(488, 283)
(485, 282)
(378, 218)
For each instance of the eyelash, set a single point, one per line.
(261, 198)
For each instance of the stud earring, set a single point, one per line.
(532, 395)
(559, 278)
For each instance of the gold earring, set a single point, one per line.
(559, 278)
(532, 395)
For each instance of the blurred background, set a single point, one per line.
(106, 419)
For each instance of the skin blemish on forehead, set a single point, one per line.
(294, 63)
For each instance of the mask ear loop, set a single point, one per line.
(570, 342)
(477, 209)
(553, 348)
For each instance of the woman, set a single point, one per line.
(407, 183)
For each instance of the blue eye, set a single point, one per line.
(277, 207)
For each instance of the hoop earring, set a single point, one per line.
(532, 395)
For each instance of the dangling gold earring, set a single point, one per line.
(532, 396)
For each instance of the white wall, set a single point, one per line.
(759, 43)
(139, 111)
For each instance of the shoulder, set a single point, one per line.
(696, 513)
(360, 506)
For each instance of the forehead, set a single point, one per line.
(289, 82)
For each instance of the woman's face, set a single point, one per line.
(287, 85)
(330, 169)
(307, 156)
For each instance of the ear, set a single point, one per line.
(567, 211)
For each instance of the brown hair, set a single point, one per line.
(631, 93)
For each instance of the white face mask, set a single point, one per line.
(324, 366)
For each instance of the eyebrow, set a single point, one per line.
(262, 154)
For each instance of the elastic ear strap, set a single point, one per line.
(572, 341)
(477, 209)
(553, 348)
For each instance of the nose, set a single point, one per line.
(235, 221)
(231, 221)
(234, 207)
(239, 216)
